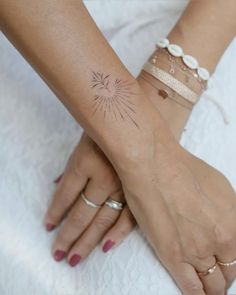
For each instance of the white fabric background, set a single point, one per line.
(37, 135)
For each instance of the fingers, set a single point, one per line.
(78, 218)
(187, 279)
(67, 191)
(119, 231)
(226, 253)
(85, 224)
(193, 279)
(103, 221)
(214, 282)
(229, 272)
(169, 248)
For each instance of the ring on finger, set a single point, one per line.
(88, 202)
(114, 204)
(209, 271)
(231, 263)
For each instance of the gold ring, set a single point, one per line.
(231, 263)
(209, 271)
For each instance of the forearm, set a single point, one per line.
(63, 44)
(205, 30)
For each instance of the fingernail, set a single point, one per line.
(50, 226)
(75, 259)
(107, 246)
(59, 255)
(58, 179)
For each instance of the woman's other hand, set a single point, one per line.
(87, 171)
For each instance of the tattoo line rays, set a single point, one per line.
(113, 97)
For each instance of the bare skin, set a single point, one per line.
(139, 144)
(89, 165)
(88, 160)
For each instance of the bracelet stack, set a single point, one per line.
(180, 74)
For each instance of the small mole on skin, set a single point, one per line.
(163, 93)
(155, 179)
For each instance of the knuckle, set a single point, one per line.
(112, 178)
(224, 238)
(76, 164)
(78, 170)
(171, 253)
(200, 251)
(111, 185)
(175, 251)
(227, 242)
(109, 179)
(103, 222)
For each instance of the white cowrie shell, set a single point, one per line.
(203, 74)
(190, 62)
(175, 50)
(163, 43)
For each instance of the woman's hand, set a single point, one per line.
(185, 217)
(84, 227)
(185, 207)
(89, 163)
(173, 208)
(187, 211)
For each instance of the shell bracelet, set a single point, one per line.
(188, 60)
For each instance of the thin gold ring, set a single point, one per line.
(209, 271)
(231, 263)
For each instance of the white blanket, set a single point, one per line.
(37, 135)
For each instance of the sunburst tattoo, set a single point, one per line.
(113, 97)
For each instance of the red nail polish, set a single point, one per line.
(107, 246)
(75, 259)
(58, 179)
(50, 226)
(59, 255)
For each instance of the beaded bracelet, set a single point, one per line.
(188, 60)
(177, 62)
(174, 66)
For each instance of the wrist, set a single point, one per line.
(174, 82)
(125, 124)
(175, 114)
(128, 146)
(137, 156)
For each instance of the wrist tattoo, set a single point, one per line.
(113, 97)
